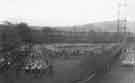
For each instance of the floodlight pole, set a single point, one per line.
(118, 18)
(122, 22)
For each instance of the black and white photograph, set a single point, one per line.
(67, 41)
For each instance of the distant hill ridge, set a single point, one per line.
(107, 26)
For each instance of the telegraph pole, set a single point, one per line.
(121, 22)
(118, 17)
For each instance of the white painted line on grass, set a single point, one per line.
(90, 77)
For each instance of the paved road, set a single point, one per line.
(119, 73)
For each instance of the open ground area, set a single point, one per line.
(120, 72)
(70, 69)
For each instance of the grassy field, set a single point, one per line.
(72, 68)
(79, 67)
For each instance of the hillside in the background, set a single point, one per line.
(100, 32)
(106, 26)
